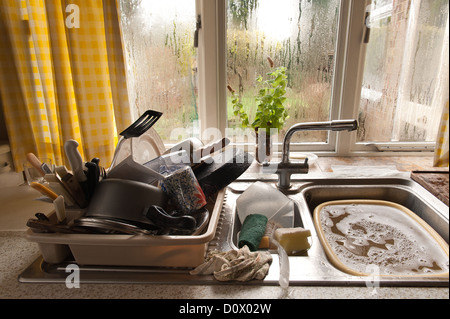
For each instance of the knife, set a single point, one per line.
(71, 185)
(92, 179)
(202, 156)
(196, 160)
(44, 190)
(96, 161)
(58, 187)
(199, 154)
(75, 160)
(36, 163)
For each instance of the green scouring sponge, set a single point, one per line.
(252, 231)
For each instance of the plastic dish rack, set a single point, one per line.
(128, 250)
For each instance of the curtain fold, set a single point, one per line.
(60, 80)
(441, 154)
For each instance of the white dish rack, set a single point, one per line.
(128, 250)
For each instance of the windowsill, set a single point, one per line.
(401, 163)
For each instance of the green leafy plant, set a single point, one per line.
(271, 112)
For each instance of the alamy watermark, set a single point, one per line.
(373, 280)
(73, 279)
(73, 17)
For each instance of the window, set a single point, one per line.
(299, 35)
(394, 84)
(162, 62)
(405, 73)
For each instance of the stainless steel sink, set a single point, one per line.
(403, 192)
(311, 269)
(314, 268)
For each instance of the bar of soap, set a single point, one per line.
(293, 239)
(252, 231)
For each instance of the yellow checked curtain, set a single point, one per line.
(60, 79)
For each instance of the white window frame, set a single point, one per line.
(346, 89)
(212, 65)
(409, 148)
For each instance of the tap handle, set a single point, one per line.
(344, 125)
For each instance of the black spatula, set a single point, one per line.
(139, 127)
(142, 124)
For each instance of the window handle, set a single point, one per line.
(198, 26)
(367, 31)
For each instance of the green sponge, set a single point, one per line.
(252, 231)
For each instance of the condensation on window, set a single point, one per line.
(161, 62)
(405, 82)
(297, 34)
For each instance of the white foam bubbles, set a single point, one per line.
(368, 234)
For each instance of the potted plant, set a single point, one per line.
(271, 112)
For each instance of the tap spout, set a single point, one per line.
(337, 125)
(285, 168)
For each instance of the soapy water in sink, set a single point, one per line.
(360, 236)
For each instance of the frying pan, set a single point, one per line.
(225, 168)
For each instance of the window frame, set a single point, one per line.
(212, 65)
(401, 148)
(346, 89)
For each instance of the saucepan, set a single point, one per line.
(125, 200)
(143, 207)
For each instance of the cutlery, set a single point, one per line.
(44, 190)
(58, 187)
(196, 158)
(71, 185)
(60, 209)
(75, 160)
(42, 168)
(199, 154)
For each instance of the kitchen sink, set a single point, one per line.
(312, 267)
(237, 225)
(400, 192)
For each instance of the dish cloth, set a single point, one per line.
(240, 265)
(252, 231)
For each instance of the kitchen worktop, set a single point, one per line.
(16, 254)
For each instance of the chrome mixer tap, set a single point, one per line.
(286, 168)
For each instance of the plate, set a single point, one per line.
(143, 148)
(261, 198)
(147, 147)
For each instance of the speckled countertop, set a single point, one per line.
(16, 254)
